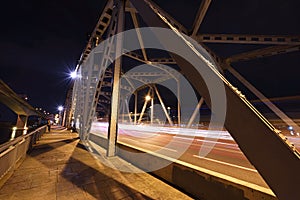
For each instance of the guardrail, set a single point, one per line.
(13, 152)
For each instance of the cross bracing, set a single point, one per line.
(153, 15)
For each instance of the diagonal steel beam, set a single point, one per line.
(196, 111)
(99, 30)
(200, 16)
(163, 105)
(260, 53)
(144, 106)
(174, 22)
(136, 25)
(262, 97)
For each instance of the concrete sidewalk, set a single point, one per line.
(59, 167)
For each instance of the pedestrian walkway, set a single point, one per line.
(60, 168)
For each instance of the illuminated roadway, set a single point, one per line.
(224, 155)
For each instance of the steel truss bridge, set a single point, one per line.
(106, 82)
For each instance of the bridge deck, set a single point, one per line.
(59, 167)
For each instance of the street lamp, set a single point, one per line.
(169, 110)
(60, 109)
(73, 74)
(148, 97)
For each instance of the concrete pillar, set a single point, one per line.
(21, 121)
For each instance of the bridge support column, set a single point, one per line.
(113, 121)
(21, 121)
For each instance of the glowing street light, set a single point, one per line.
(147, 98)
(60, 108)
(169, 110)
(73, 75)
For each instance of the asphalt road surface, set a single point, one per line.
(213, 150)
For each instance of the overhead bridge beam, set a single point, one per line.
(256, 137)
(248, 39)
(262, 53)
(9, 98)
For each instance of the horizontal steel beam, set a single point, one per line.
(261, 53)
(248, 39)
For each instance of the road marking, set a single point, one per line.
(160, 147)
(228, 164)
(229, 144)
(222, 149)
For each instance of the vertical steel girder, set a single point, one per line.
(113, 121)
(256, 137)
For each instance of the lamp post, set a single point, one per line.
(169, 110)
(60, 109)
(148, 98)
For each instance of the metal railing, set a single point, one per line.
(14, 151)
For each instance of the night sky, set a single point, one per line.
(41, 42)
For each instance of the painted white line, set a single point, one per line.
(153, 145)
(228, 164)
(229, 144)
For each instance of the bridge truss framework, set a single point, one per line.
(248, 129)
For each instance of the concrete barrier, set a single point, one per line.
(12, 153)
(198, 182)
